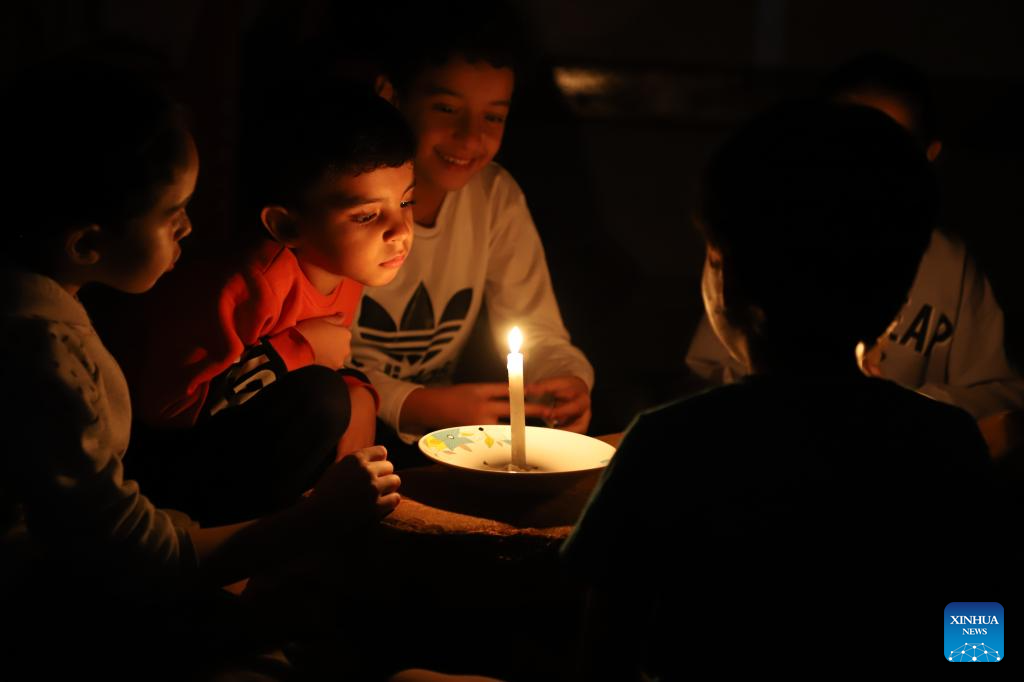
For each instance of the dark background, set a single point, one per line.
(610, 130)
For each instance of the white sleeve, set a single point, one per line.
(708, 358)
(979, 377)
(519, 293)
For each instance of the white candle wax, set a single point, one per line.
(517, 399)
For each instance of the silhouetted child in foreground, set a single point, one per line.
(947, 341)
(767, 516)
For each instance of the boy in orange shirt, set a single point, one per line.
(240, 387)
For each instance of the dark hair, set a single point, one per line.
(332, 130)
(822, 212)
(886, 75)
(491, 32)
(84, 144)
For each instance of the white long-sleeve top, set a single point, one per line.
(66, 425)
(483, 247)
(947, 342)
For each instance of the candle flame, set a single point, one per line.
(515, 340)
(858, 352)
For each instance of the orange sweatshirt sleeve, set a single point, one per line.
(195, 336)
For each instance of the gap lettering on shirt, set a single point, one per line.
(918, 330)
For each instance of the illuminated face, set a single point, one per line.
(148, 247)
(457, 112)
(358, 226)
(712, 291)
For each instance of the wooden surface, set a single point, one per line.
(445, 581)
(449, 545)
(437, 501)
(440, 500)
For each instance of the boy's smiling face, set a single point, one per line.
(457, 112)
(355, 226)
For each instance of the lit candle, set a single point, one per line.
(516, 399)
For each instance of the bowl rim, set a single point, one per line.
(496, 472)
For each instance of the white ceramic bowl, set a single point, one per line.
(554, 458)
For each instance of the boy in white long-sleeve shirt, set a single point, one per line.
(947, 341)
(476, 245)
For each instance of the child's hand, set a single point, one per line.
(871, 361)
(330, 339)
(461, 404)
(571, 410)
(358, 489)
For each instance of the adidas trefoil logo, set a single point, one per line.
(417, 337)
